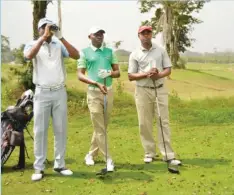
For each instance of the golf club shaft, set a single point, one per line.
(160, 120)
(105, 120)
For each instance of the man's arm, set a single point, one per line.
(72, 51)
(115, 73)
(32, 52)
(83, 78)
(81, 68)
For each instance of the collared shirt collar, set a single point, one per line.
(53, 41)
(94, 48)
(154, 46)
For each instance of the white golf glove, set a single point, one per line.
(58, 34)
(103, 73)
(28, 93)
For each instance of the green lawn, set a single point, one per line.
(202, 137)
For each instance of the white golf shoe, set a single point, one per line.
(175, 162)
(89, 160)
(110, 165)
(37, 175)
(148, 159)
(63, 171)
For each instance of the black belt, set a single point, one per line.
(159, 86)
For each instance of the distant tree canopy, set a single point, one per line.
(175, 20)
(19, 55)
(6, 55)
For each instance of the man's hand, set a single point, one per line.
(58, 34)
(153, 74)
(103, 73)
(47, 32)
(102, 88)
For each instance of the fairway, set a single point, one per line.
(201, 117)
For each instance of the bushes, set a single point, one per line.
(71, 65)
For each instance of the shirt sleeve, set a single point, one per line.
(114, 59)
(81, 62)
(166, 62)
(133, 64)
(64, 51)
(27, 47)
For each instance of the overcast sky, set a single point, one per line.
(120, 19)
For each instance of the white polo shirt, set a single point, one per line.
(48, 64)
(142, 60)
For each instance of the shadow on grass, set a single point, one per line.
(109, 178)
(206, 162)
(28, 166)
(9, 169)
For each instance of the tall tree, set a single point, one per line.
(39, 11)
(175, 20)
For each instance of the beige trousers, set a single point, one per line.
(95, 100)
(147, 109)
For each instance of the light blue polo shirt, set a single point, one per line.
(48, 64)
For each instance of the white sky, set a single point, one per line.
(120, 19)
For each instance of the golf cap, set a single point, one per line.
(95, 29)
(44, 21)
(142, 28)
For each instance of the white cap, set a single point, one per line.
(44, 21)
(95, 29)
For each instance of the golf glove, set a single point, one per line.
(102, 73)
(58, 34)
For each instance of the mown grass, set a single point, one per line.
(202, 137)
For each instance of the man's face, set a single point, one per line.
(145, 36)
(97, 38)
(42, 29)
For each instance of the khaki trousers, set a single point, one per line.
(95, 100)
(147, 109)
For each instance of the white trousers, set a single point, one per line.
(50, 103)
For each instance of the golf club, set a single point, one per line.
(170, 168)
(104, 171)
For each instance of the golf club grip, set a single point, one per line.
(105, 82)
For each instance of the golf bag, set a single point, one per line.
(14, 121)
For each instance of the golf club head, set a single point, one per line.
(173, 169)
(102, 172)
